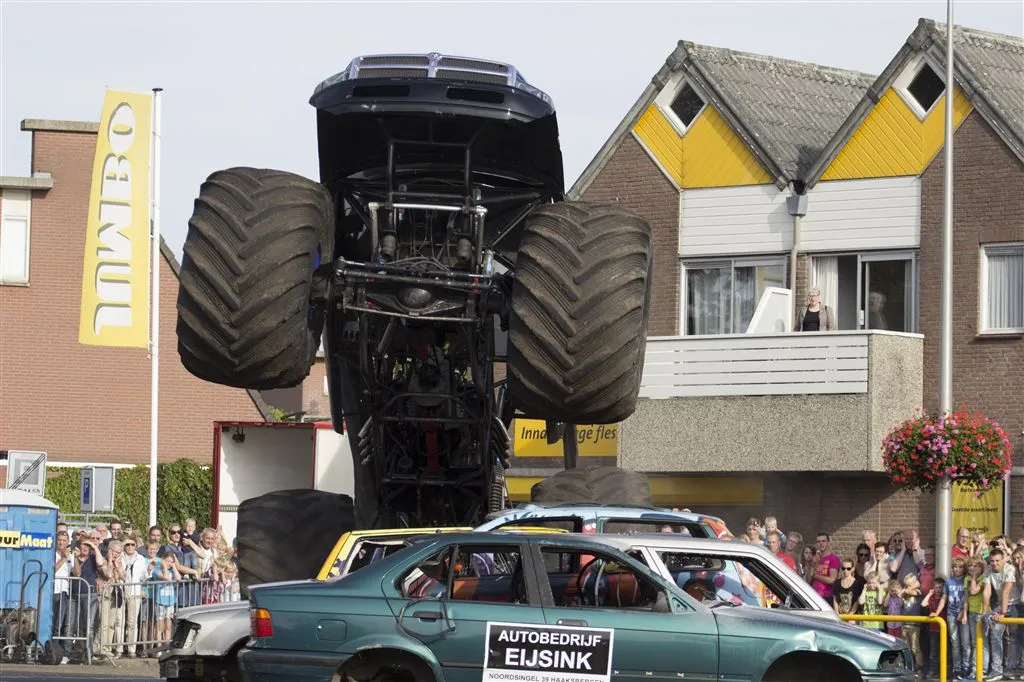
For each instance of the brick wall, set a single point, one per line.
(844, 506)
(803, 276)
(988, 206)
(631, 179)
(314, 402)
(84, 403)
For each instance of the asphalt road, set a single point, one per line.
(46, 676)
(131, 671)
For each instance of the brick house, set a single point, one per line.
(85, 404)
(757, 172)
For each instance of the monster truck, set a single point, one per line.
(436, 247)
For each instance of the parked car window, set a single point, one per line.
(429, 578)
(632, 526)
(739, 580)
(368, 551)
(489, 574)
(569, 525)
(599, 581)
(492, 574)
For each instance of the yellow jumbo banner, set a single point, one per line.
(984, 513)
(115, 276)
(595, 440)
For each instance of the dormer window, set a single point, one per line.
(681, 103)
(926, 87)
(686, 105)
(920, 85)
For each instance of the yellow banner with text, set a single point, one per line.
(594, 440)
(115, 276)
(979, 513)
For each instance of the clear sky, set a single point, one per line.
(237, 76)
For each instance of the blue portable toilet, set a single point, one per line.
(28, 543)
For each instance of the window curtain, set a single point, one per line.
(745, 291)
(825, 276)
(708, 304)
(1006, 291)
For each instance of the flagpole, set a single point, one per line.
(155, 307)
(944, 493)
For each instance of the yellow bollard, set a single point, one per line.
(943, 638)
(979, 643)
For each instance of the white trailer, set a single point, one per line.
(255, 458)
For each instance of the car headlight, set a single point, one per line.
(894, 661)
(184, 634)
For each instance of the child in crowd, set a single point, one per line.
(165, 575)
(974, 592)
(934, 604)
(872, 601)
(894, 607)
(954, 602)
(912, 598)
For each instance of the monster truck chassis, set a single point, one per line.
(437, 245)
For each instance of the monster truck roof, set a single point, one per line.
(387, 79)
(439, 122)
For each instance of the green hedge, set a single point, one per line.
(184, 489)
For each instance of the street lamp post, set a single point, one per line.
(944, 492)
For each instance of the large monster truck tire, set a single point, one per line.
(595, 485)
(579, 312)
(244, 312)
(287, 534)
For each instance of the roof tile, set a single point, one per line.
(992, 64)
(791, 108)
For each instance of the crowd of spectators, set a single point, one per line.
(117, 588)
(897, 578)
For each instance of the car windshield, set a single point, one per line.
(737, 580)
(364, 553)
(663, 525)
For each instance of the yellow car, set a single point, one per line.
(358, 548)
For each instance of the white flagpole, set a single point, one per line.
(944, 496)
(155, 307)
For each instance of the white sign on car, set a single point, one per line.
(547, 653)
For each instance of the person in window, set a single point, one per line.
(876, 311)
(815, 316)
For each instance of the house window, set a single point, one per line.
(926, 87)
(681, 103)
(721, 296)
(1002, 288)
(920, 86)
(686, 105)
(15, 208)
(869, 290)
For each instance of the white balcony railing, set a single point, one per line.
(755, 364)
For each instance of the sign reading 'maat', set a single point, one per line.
(13, 539)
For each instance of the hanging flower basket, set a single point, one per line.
(966, 447)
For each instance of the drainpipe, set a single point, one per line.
(797, 205)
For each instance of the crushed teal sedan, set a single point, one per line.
(486, 607)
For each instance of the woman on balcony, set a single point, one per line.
(815, 317)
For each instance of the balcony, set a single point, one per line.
(771, 402)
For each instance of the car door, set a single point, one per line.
(674, 639)
(449, 600)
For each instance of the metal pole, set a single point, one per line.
(155, 307)
(944, 492)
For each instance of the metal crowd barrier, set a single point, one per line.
(74, 615)
(979, 643)
(941, 622)
(135, 618)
